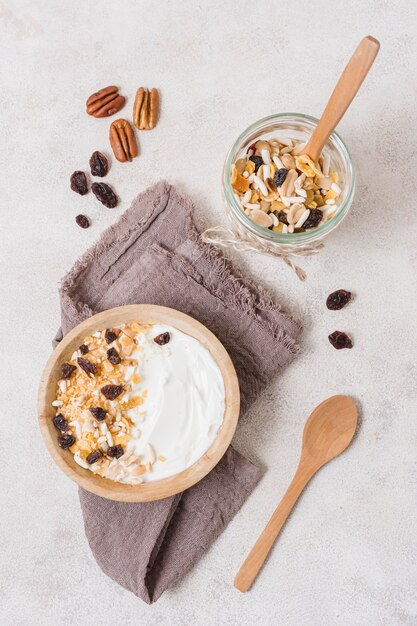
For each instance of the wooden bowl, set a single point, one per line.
(144, 314)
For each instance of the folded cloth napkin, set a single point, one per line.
(154, 255)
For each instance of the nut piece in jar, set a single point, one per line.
(105, 102)
(146, 108)
(123, 141)
(282, 189)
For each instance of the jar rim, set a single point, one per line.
(294, 238)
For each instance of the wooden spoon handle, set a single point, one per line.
(256, 558)
(343, 94)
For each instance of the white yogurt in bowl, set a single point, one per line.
(183, 400)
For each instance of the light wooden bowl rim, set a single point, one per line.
(151, 314)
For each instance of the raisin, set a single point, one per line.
(257, 160)
(105, 194)
(83, 348)
(115, 452)
(113, 356)
(340, 340)
(61, 423)
(67, 369)
(111, 335)
(79, 183)
(338, 299)
(94, 456)
(252, 147)
(280, 176)
(111, 392)
(282, 217)
(313, 219)
(98, 413)
(98, 164)
(87, 366)
(162, 339)
(66, 441)
(82, 221)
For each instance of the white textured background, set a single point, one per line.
(348, 554)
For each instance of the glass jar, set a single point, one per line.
(245, 233)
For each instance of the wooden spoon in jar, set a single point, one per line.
(327, 433)
(346, 89)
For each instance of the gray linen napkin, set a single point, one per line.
(153, 254)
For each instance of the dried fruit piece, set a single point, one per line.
(123, 141)
(307, 166)
(280, 176)
(257, 160)
(98, 413)
(111, 335)
(115, 452)
(98, 164)
(282, 217)
(113, 356)
(313, 219)
(340, 340)
(239, 182)
(105, 194)
(78, 183)
(87, 366)
(66, 441)
(67, 369)
(105, 102)
(61, 423)
(162, 339)
(94, 456)
(338, 299)
(146, 108)
(111, 392)
(83, 348)
(82, 221)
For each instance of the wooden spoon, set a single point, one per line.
(327, 433)
(346, 89)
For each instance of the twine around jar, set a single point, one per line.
(240, 238)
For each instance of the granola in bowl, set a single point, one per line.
(138, 403)
(282, 189)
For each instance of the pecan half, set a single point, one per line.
(146, 108)
(105, 102)
(123, 141)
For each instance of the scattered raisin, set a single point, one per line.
(340, 340)
(66, 441)
(338, 299)
(257, 160)
(67, 369)
(83, 348)
(79, 183)
(88, 367)
(252, 147)
(313, 219)
(61, 423)
(111, 392)
(94, 456)
(113, 356)
(282, 217)
(105, 194)
(82, 221)
(162, 339)
(99, 164)
(98, 413)
(280, 176)
(111, 335)
(115, 452)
